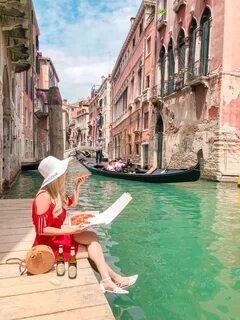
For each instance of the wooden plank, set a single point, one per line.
(17, 237)
(11, 270)
(39, 283)
(44, 303)
(8, 255)
(7, 225)
(34, 297)
(13, 231)
(15, 247)
(100, 312)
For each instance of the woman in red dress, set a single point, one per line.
(49, 210)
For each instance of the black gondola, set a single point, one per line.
(30, 165)
(157, 176)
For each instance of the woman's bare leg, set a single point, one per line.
(83, 254)
(89, 239)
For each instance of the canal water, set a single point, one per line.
(182, 239)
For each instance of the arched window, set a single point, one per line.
(192, 48)
(205, 29)
(162, 61)
(181, 51)
(171, 67)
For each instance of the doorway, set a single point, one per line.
(159, 140)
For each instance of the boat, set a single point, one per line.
(30, 165)
(157, 176)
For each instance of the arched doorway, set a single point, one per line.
(159, 140)
(7, 127)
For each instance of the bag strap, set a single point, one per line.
(21, 263)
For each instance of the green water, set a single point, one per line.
(182, 239)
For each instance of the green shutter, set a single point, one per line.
(171, 71)
(163, 62)
(205, 47)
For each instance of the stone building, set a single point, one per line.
(66, 129)
(16, 55)
(82, 119)
(30, 79)
(131, 80)
(196, 95)
(93, 132)
(47, 78)
(104, 113)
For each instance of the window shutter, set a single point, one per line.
(171, 71)
(205, 47)
(163, 62)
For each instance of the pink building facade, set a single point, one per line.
(131, 80)
(196, 93)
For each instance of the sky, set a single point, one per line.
(83, 38)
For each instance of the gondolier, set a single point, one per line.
(99, 146)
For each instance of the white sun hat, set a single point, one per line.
(52, 168)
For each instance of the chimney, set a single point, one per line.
(132, 19)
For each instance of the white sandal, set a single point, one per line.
(116, 290)
(131, 281)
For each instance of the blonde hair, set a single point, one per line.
(56, 189)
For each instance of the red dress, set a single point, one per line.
(47, 219)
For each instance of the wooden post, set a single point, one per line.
(55, 123)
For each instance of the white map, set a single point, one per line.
(107, 216)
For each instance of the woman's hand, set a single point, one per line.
(81, 179)
(79, 227)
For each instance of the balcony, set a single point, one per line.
(162, 22)
(146, 95)
(179, 81)
(120, 119)
(177, 4)
(16, 24)
(41, 103)
(196, 75)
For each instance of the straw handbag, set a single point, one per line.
(39, 259)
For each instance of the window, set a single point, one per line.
(37, 43)
(192, 48)
(148, 46)
(140, 81)
(133, 42)
(140, 28)
(162, 61)
(137, 148)
(181, 51)
(205, 28)
(132, 89)
(26, 82)
(146, 120)
(147, 82)
(125, 100)
(171, 67)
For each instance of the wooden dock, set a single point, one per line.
(35, 297)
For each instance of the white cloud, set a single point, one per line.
(83, 38)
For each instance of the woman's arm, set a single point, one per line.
(78, 182)
(51, 231)
(43, 202)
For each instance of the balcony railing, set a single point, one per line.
(179, 80)
(196, 74)
(120, 119)
(162, 22)
(177, 4)
(146, 95)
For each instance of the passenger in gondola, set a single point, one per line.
(119, 165)
(110, 166)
